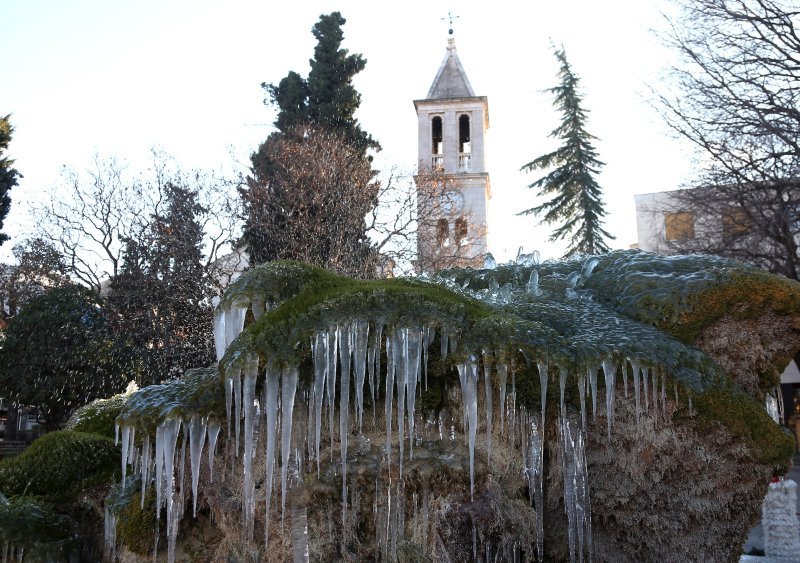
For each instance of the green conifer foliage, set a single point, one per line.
(8, 175)
(327, 99)
(575, 199)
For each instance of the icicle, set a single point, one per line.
(675, 387)
(237, 400)
(271, 387)
(462, 379)
(664, 393)
(219, 332)
(471, 408)
(234, 323)
(109, 535)
(228, 398)
(635, 367)
(610, 374)
(289, 377)
(502, 380)
(576, 489)
(248, 480)
(213, 434)
(145, 467)
(443, 344)
(562, 383)
(543, 387)
(655, 391)
(116, 433)
(427, 337)
(330, 377)
(412, 341)
(625, 378)
(390, 371)
(592, 373)
(372, 350)
(400, 351)
(197, 438)
(320, 370)
(125, 449)
(345, 355)
(159, 453)
(174, 517)
(487, 389)
(645, 388)
(532, 456)
(360, 340)
(171, 427)
(582, 395)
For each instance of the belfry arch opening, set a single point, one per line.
(436, 135)
(463, 134)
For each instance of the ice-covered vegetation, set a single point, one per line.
(479, 413)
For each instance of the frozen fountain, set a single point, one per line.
(526, 412)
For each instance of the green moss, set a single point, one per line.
(98, 417)
(136, 525)
(59, 465)
(749, 423)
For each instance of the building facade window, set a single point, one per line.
(735, 222)
(679, 226)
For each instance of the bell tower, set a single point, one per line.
(453, 189)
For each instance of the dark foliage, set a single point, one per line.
(8, 174)
(60, 353)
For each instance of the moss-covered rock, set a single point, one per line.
(98, 417)
(59, 465)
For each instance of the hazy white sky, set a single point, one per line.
(110, 77)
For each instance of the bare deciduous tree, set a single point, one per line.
(736, 97)
(91, 214)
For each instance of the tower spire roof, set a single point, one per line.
(451, 81)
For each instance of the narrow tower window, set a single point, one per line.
(463, 134)
(436, 135)
(461, 231)
(442, 232)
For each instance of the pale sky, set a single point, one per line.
(115, 78)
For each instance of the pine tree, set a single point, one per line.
(8, 175)
(575, 197)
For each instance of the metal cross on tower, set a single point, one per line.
(450, 19)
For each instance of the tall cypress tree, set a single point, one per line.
(311, 183)
(575, 202)
(327, 99)
(8, 175)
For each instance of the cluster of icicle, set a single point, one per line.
(353, 352)
(155, 460)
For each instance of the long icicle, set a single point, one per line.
(271, 388)
(413, 342)
(320, 358)
(487, 389)
(248, 405)
(289, 377)
(345, 355)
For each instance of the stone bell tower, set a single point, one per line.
(453, 189)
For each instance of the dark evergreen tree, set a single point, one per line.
(161, 294)
(59, 353)
(311, 184)
(327, 99)
(8, 175)
(575, 202)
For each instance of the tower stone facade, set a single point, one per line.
(453, 189)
